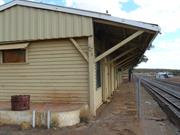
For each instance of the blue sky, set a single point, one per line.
(129, 6)
(166, 53)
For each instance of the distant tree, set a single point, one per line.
(150, 47)
(143, 59)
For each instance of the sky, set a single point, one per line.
(165, 13)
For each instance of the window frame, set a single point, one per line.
(98, 75)
(24, 46)
(98, 65)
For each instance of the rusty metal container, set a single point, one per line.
(20, 102)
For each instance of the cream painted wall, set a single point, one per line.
(55, 72)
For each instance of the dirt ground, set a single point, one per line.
(115, 118)
(174, 79)
(154, 120)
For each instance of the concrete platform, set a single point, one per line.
(43, 114)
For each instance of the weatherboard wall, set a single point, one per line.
(55, 72)
(20, 23)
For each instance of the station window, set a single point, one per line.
(13, 53)
(13, 56)
(98, 74)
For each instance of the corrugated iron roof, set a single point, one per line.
(98, 15)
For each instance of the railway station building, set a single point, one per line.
(64, 55)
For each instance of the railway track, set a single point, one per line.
(167, 95)
(169, 82)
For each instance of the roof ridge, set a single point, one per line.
(28, 1)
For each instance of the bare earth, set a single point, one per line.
(154, 120)
(115, 118)
(174, 79)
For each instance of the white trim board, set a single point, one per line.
(14, 46)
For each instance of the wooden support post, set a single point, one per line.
(79, 49)
(122, 54)
(126, 59)
(120, 77)
(125, 67)
(92, 76)
(109, 78)
(115, 77)
(131, 65)
(112, 77)
(106, 80)
(128, 39)
(104, 84)
(128, 63)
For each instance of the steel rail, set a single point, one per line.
(164, 88)
(166, 96)
(170, 83)
(173, 87)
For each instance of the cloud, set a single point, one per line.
(96, 5)
(162, 12)
(165, 13)
(1, 2)
(167, 55)
(169, 45)
(166, 60)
